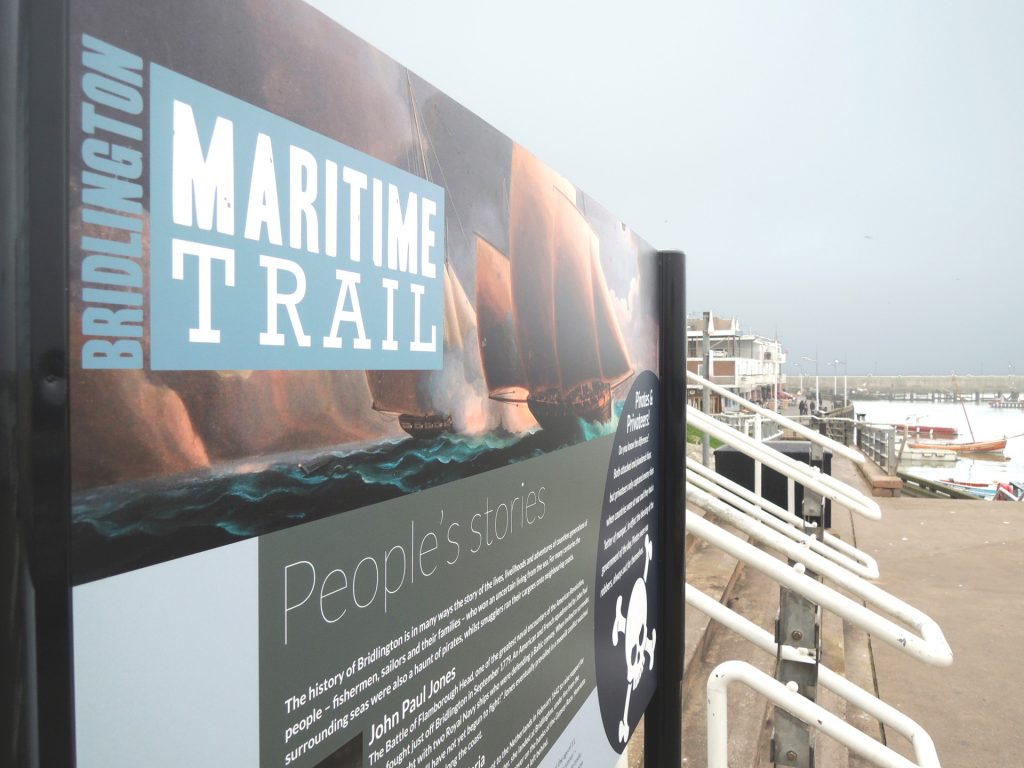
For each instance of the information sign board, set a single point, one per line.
(363, 435)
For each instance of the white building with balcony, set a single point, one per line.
(748, 364)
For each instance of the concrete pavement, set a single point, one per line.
(962, 563)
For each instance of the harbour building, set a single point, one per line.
(746, 363)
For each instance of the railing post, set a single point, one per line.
(814, 504)
(799, 626)
(757, 464)
(890, 452)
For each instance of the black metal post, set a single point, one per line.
(35, 251)
(663, 723)
(14, 661)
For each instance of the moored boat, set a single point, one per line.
(1011, 491)
(926, 431)
(980, 446)
(927, 456)
(985, 491)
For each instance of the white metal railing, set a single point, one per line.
(879, 443)
(785, 696)
(929, 645)
(808, 476)
(868, 567)
(860, 564)
(805, 432)
(924, 747)
(874, 610)
(750, 424)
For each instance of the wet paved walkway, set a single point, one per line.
(962, 563)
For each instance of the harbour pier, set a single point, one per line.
(937, 389)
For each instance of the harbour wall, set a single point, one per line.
(918, 385)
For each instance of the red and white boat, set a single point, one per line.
(1011, 491)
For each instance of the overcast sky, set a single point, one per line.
(848, 176)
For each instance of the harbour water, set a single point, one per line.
(988, 423)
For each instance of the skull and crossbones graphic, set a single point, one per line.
(634, 629)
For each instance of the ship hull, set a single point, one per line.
(425, 427)
(559, 412)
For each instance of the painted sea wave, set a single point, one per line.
(131, 525)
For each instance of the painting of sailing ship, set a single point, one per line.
(411, 395)
(548, 335)
(418, 398)
(549, 312)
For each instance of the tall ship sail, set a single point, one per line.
(499, 347)
(546, 325)
(412, 395)
(421, 399)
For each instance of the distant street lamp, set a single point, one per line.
(845, 372)
(835, 380)
(817, 392)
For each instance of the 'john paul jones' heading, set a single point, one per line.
(271, 247)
